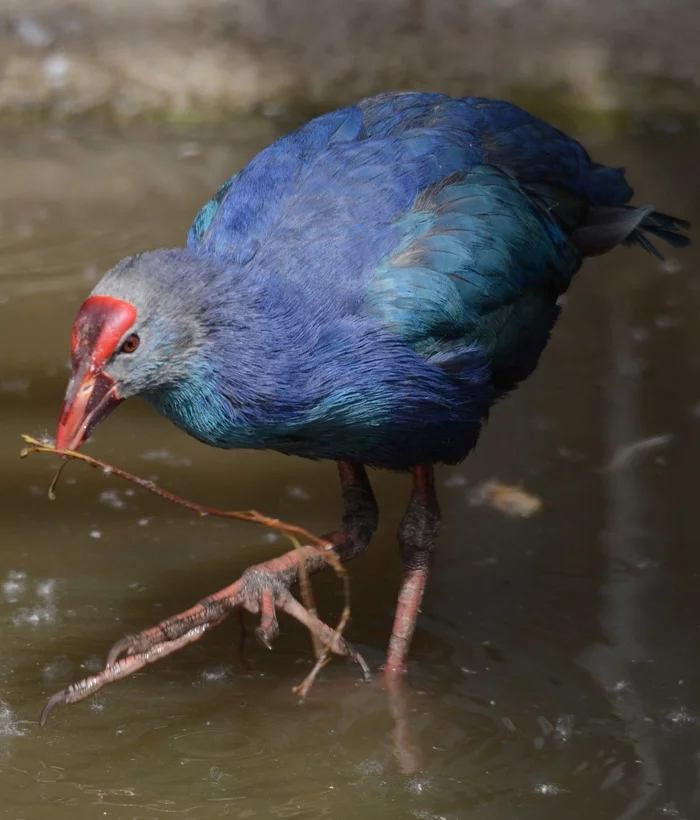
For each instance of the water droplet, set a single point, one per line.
(565, 727)
(111, 499)
(8, 722)
(682, 717)
(548, 789)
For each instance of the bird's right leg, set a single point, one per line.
(262, 589)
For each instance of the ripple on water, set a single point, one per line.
(214, 743)
(8, 721)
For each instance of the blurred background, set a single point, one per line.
(191, 58)
(555, 670)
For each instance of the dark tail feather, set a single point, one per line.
(607, 227)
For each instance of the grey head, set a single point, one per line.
(169, 291)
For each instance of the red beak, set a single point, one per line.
(91, 394)
(90, 397)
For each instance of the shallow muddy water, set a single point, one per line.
(556, 667)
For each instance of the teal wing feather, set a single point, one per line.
(480, 263)
(205, 216)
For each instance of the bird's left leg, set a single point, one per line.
(262, 589)
(417, 538)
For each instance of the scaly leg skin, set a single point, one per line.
(263, 589)
(417, 538)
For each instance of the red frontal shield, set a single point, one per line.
(91, 395)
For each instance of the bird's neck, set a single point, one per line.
(249, 385)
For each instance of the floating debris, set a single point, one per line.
(625, 456)
(296, 493)
(510, 499)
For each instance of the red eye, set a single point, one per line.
(130, 343)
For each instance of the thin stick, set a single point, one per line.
(291, 531)
(250, 516)
(56, 478)
(306, 593)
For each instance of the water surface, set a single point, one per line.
(555, 670)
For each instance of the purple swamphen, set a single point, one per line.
(363, 290)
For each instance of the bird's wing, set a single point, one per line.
(504, 135)
(410, 231)
(448, 134)
(480, 263)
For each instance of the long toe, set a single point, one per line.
(262, 589)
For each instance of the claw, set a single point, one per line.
(122, 669)
(133, 652)
(53, 701)
(124, 646)
(269, 628)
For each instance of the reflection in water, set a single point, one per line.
(408, 756)
(546, 672)
(624, 602)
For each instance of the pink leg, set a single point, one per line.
(417, 538)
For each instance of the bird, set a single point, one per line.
(363, 291)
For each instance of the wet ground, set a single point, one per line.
(556, 666)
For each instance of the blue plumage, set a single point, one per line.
(363, 291)
(371, 283)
